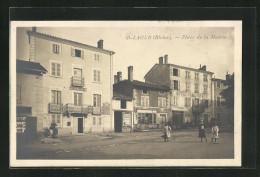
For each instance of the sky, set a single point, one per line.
(141, 47)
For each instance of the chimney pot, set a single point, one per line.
(33, 29)
(160, 60)
(100, 44)
(165, 59)
(130, 73)
(119, 76)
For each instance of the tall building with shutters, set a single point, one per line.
(191, 91)
(77, 90)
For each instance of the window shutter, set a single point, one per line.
(72, 52)
(53, 48)
(60, 49)
(178, 73)
(179, 85)
(82, 54)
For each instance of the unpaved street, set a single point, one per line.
(184, 144)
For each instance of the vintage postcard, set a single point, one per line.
(125, 93)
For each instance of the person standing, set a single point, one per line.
(167, 133)
(215, 131)
(202, 132)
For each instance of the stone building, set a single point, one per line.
(191, 91)
(224, 114)
(77, 91)
(29, 98)
(151, 103)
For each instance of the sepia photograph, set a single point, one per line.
(125, 93)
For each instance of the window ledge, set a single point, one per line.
(56, 76)
(97, 82)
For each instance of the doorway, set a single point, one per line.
(80, 125)
(118, 121)
(177, 118)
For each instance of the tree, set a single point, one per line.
(197, 110)
(228, 93)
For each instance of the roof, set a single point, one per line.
(66, 41)
(33, 67)
(182, 67)
(139, 84)
(118, 96)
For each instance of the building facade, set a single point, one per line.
(191, 91)
(151, 103)
(222, 113)
(29, 98)
(77, 91)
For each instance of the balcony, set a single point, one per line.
(55, 107)
(96, 110)
(77, 81)
(72, 109)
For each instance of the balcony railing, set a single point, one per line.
(96, 110)
(72, 109)
(55, 107)
(77, 81)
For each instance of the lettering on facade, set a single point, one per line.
(126, 119)
(78, 89)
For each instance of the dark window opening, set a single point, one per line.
(77, 53)
(145, 91)
(175, 85)
(123, 104)
(175, 72)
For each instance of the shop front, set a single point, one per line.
(146, 119)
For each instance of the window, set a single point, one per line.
(176, 85)
(56, 48)
(96, 75)
(94, 120)
(146, 118)
(205, 89)
(196, 88)
(77, 99)
(205, 77)
(145, 101)
(187, 102)
(187, 86)
(218, 101)
(77, 53)
(97, 57)
(56, 118)
(145, 91)
(162, 102)
(175, 72)
(123, 104)
(196, 101)
(218, 84)
(55, 69)
(77, 72)
(56, 97)
(196, 76)
(19, 93)
(187, 76)
(99, 121)
(175, 101)
(97, 100)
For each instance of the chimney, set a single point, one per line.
(160, 60)
(130, 73)
(119, 76)
(115, 79)
(165, 59)
(203, 68)
(100, 44)
(33, 29)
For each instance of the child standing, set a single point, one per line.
(215, 131)
(202, 132)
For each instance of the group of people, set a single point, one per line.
(214, 130)
(202, 132)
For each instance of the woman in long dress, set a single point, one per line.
(167, 133)
(202, 132)
(215, 131)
